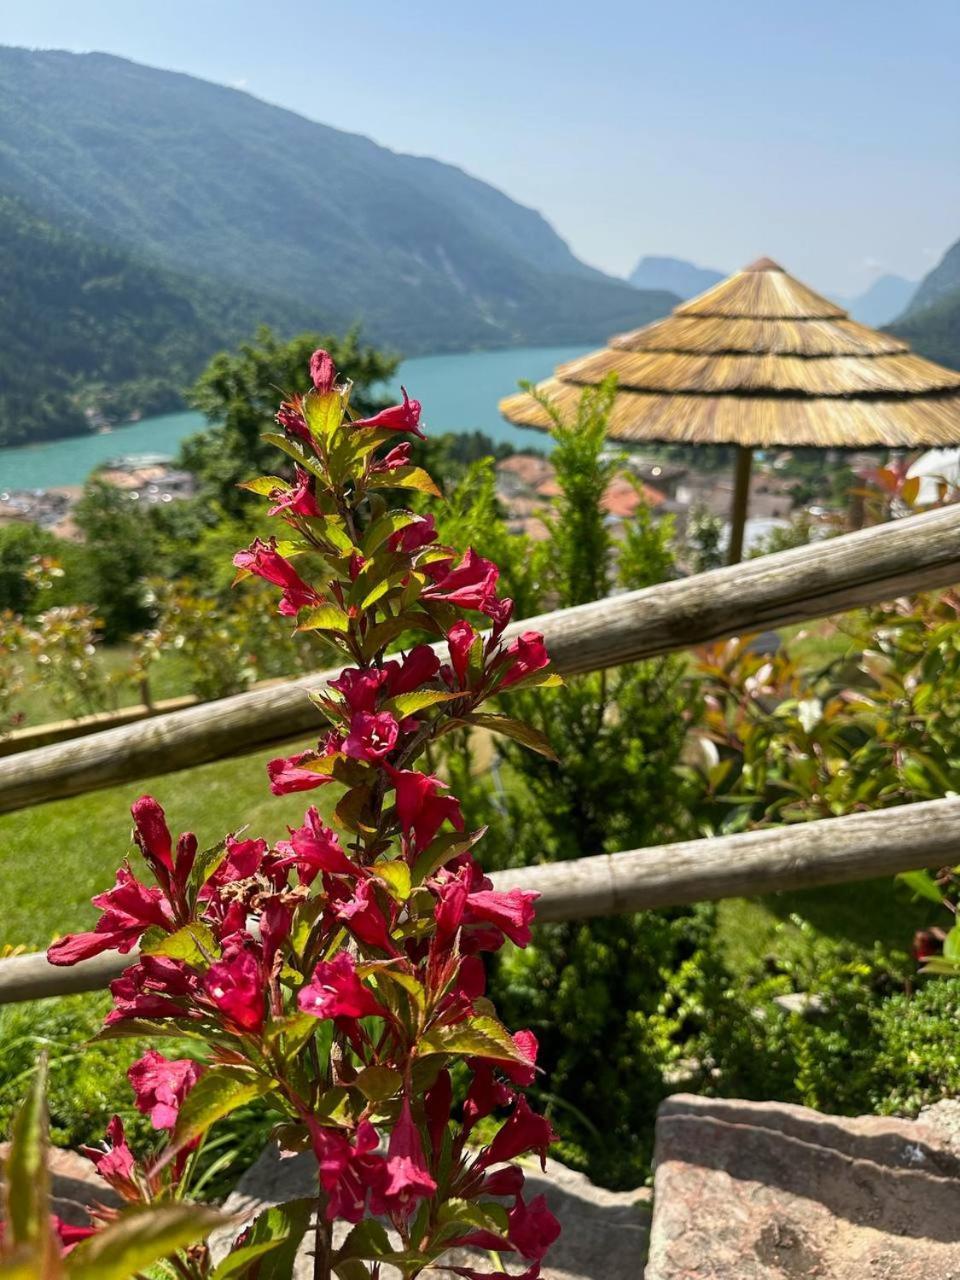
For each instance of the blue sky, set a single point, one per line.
(826, 135)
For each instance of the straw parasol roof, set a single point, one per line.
(761, 360)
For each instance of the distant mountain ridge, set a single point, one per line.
(201, 177)
(675, 275)
(885, 299)
(87, 326)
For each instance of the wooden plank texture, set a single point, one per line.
(833, 851)
(794, 586)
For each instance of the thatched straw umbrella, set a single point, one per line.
(756, 361)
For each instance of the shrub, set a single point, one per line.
(337, 976)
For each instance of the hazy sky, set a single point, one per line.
(826, 135)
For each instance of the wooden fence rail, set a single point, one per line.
(918, 553)
(833, 851)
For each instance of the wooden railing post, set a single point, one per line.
(880, 563)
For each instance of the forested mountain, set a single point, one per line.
(685, 279)
(934, 331)
(202, 177)
(84, 325)
(944, 279)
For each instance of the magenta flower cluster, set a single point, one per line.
(339, 972)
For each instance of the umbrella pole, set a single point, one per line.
(741, 496)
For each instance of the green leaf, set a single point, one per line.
(323, 412)
(384, 633)
(236, 1263)
(292, 1032)
(481, 1037)
(141, 1027)
(368, 1239)
(265, 486)
(351, 1269)
(139, 1238)
(446, 846)
(377, 1084)
(382, 588)
(389, 523)
(218, 1092)
(406, 478)
(396, 874)
(951, 945)
(516, 729)
(25, 1173)
(325, 617)
(408, 704)
(277, 1233)
(194, 944)
(541, 679)
(922, 883)
(293, 449)
(204, 865)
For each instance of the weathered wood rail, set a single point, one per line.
(832, 851)
(914, 554)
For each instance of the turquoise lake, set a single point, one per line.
(458, 392)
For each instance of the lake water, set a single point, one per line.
(458, 392)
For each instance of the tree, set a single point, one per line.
(118, 556)
(20, 543)
(583, 988)
(238, 393)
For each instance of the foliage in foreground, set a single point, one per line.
(337, 976)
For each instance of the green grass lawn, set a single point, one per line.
(55, 856)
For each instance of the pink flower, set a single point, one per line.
(293, 422)
(154, 987)
(160, 1085)
(532, 1227)
(460, 638)
(371, 737)
(413, 536)
(485, 1095)
(437, 1106)
(151, 833)
(407, 1178)
(115, 1164)
(399, 456)
(288, 775)
(400, 417)
(522, 1131)
(242, 860)
(335, 991)
(129, 909)
(299, 501)
(69, 1234)
(235, 985)
(263, 559)
(419, 666)
(365, 919)
(323, 372)
(360, 688)
(346, 1171)
(318, 848)
(421, 808)
(513, 912)
(472, 584)
(527, 654)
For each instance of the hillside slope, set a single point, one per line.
(207, 178)
(85, 325)
(938, 283)
(934, 331)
